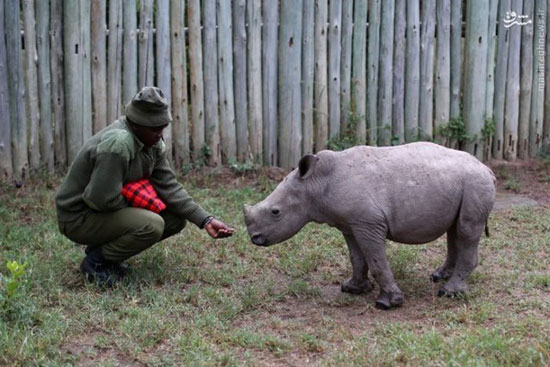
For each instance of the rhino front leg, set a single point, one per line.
(359, 282)
(373, 247)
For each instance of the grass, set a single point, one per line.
(198, 302)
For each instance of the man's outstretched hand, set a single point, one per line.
(218, 229)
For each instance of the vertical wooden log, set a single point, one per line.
(443, 65)
(58, 84)
(129, 52)
(511, 111)
(99, 64)
(412, 71)
(225, 70)
(308, 52)
(501, 72)
(254, 15)
(180, 124)
(385, 85)
(290, 55)
(321, 75)
(240, 77)
(6, 169)
(475, 68)
(539, 55)
(196, 76)
(270, 16)
(145, 44)
(114, 61)
(526, 81)
(359, 71)
(86, 76)
(16, 86)
(31, 80)
(373, 49)
(44, 83)
(398, 101)
(345, 66)
(546, 125)
(210, 52)
(456, 58)
(162, 62)
(425, 109)
(334, 59)
(490, 84)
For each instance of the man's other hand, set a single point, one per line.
(218, 229)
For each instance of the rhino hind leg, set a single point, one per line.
(359, 282)
(373, 247)
(445, 271)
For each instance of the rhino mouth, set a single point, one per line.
(259, 240)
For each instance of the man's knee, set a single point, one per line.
(153, 229)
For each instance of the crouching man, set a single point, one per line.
(92, 209)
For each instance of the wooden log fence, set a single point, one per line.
(264, 82)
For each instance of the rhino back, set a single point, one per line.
(417, 188)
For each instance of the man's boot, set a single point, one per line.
(121, 269)
(97, 269)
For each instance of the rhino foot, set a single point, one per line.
(451, 292)
(357, 287)
(387, 300)
(441, 274)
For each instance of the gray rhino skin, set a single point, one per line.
(411, 194)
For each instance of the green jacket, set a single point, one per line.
(109, 160)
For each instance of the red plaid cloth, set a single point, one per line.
(141, 194)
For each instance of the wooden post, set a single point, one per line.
(511, 111)
(345, 66)
(358, 69)
(14, 56)
(6, 169)
(240, 77)
(31, 80)
(99, 64)
(412, 71)
(163, 64)
(398, 101)
(86, 75)
(537, 101)
(373, 49)
(526, 81)
(501, 71)
(443, 66)
(334, 56)
(546, 127)
(145, 43)
(196, 76)
(290, 55)
(129, 52)
(308, 53)
(490, 84)
(44, 83)
(225, 72)
(475, 68)
(385, 85)
(210, 52)
(114, 61)
(456, 58)
(425, 109)
(180, 125)
(58, 83)
(321, 75)
(270, 16)
(254, 15)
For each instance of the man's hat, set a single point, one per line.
(149, 108)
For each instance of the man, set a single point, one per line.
(91, 209)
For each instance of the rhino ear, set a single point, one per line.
(307, 165)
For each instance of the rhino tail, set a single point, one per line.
(487, 230)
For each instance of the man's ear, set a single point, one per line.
(307, 165)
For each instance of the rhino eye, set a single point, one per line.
(275, 211)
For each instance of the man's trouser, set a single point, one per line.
(123, 233)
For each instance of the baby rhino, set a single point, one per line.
(412, 194)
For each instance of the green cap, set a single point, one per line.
(149, 108)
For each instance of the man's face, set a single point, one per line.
(149, 136)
